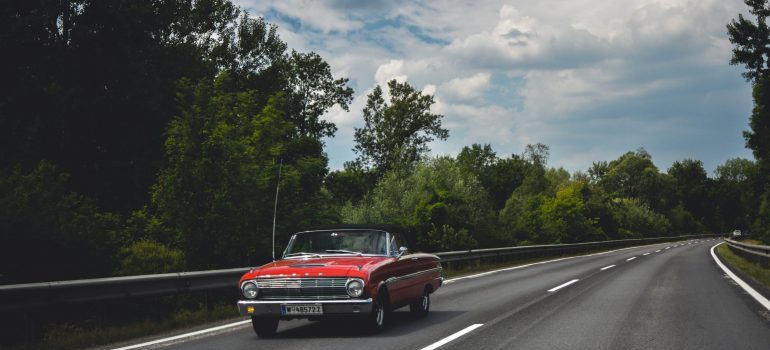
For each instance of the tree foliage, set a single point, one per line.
(89, 85)
(148, 257)
(397, 133)
(565, 217)
(175, 114)
(751, 48)
(758, 137)
(499, 176)
(635, 219)
(223, 156)
(50, 233)
(312, 91)
(751, 40)
(438, 200)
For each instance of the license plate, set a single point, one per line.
(302, 310)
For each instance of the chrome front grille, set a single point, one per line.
(302, 288)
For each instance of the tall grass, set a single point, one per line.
(759, 273)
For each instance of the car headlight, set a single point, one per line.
(250, 290)
(355, 288)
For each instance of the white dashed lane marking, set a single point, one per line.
(562, 286)
(448, 339)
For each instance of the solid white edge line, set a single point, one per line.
(606, 267)
(562, 286)
(631, 258)
(754, 294)
(186, 335)
(448, 339)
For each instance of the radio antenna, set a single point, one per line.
(275, 207)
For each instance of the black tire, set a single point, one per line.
(379, 316)
(421, 307)
(265, 327)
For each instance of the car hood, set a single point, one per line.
(314, 267)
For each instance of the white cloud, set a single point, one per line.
(590, 78)
(386, 72)
(469, 88)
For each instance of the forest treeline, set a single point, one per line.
(145, 136)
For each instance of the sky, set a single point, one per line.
(592, 79)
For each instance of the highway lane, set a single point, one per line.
(643, 297)
(676, 299)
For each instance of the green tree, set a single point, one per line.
(736, 170)
(89, 85)
(520, 220)
(635, 219)
(148, 257)
(758, 138)
(499, 176)
(683, 222)
(557, 178)
(564, 217)
(693, 189)
(312, 91)
(476, 157)
(397, 134)
(598, 170)
(438, 200)
(50, 233)
(734, 196)
(752, 41)
(223, 156)
(535, 181)
(634, 175)
(350, 184)
(751, 48)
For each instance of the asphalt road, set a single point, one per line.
(663, 296)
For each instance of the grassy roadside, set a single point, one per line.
(67, 336)
(757, 272)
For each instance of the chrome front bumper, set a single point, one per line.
(330, 307)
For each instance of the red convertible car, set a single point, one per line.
(363, 271)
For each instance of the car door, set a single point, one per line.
(404, 281)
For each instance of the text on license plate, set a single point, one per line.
(302, 310)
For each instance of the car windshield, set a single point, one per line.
(337, 242)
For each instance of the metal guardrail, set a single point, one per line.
(552, 249)
(757, 252)
(20, 296)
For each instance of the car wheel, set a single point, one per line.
(265, 327)
(421, 307)
(378, 318)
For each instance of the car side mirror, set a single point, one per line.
(402, 251)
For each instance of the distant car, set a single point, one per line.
(736, 234)
(363, 272)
